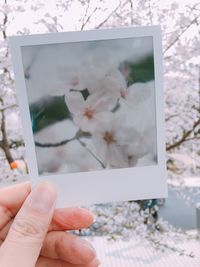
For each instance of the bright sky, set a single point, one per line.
(72, 21)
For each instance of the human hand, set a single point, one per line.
(32, 232)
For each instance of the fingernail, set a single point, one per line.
(43, 197)
(88, 212)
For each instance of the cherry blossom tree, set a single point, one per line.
(180, 35)
(180, 26)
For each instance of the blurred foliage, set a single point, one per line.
(53, 109)
(48, 111)
(142, 71)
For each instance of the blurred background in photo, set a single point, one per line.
(143, 233)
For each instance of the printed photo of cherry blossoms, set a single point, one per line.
(92, 104)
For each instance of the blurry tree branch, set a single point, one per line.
(61, 143)
(5, 22)
(109, 16)
(32, 61)
(8, 107)
(185, 137)
(53, 27)
(4, 143)
(78, 135)
(180, 34)
(131, 7)
(91, 153)
(86, 17)
(170, 117)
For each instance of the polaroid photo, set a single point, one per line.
(93, 112)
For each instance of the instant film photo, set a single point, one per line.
(92, 112)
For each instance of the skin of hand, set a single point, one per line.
(33, 233)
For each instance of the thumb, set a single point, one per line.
(26, 235)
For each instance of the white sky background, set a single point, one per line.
(33, 20)
(29, 17)
(68, 21)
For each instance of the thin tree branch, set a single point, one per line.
(131, 7)
(90, 152)
(4, 24)
(64, 142)
(108, 17)
(88, 18)
(170, 117)
(78, 135)
(4, 144)
(184, 137)
(28, 68)
(85, 15)
(181, 33)
(8, 107)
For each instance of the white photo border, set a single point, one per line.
(146, 182)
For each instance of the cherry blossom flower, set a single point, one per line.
(87, 113)
(139, 105)
(136, 93)
(113, 139)
(112, 82)
(53, 70)
(141, 115)
(72, 77)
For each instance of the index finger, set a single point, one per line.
(12, 198)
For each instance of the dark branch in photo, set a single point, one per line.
(64, 142)
(85, 146)
(78, 135)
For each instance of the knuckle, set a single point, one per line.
(27, 227)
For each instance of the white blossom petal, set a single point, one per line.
(137, 93)
(75, 102)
